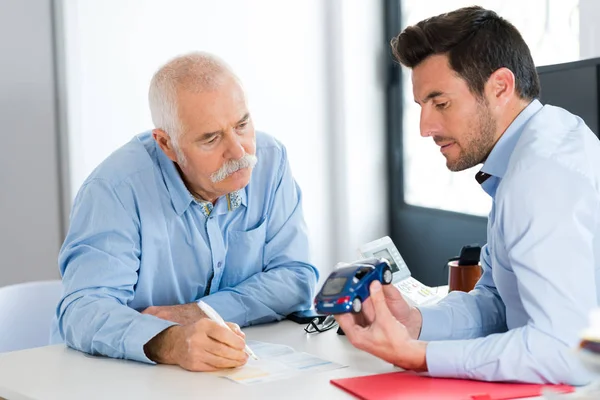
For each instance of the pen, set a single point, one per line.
(212, 314)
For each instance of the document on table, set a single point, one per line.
(275, 362)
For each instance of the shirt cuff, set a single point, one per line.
(444, 359)
(144, 328)
(228, 307)
(435, 320)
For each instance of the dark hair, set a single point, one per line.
(477, 42)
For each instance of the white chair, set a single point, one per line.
(26, 313)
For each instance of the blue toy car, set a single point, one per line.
(347, 287)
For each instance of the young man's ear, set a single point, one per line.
(165, 143)
(500, 86)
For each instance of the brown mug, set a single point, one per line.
(462, 277)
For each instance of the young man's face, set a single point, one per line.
(457, 120)
(217, 135)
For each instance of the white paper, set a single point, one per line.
(275, 362)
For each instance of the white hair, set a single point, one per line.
(193, 72)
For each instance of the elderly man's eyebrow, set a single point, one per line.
(210, 135)
(245, 118)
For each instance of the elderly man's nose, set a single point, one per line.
(235, 149)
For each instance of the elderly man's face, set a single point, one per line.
(215, 151)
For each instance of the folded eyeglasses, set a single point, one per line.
(318, 325)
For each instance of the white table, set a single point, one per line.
(57, 372)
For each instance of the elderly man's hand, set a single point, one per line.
(201, 346)
(377, 331)
(183, 314)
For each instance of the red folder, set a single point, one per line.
(409, 386)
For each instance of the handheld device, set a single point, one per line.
(305, 316)
(212, 314)
(412, 290)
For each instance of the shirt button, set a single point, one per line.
(219, 264)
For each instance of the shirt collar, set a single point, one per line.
(497, 162)
(233, 200)
(181, 198)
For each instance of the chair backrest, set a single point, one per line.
(26, 314)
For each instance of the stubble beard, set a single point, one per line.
(478, 143)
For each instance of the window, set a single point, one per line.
(550, 28)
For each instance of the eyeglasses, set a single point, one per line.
(317, 325)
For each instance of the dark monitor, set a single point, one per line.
(574, 87)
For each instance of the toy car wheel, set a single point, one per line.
(387, 276)
(356, 305)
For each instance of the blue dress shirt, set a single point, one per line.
(541, 262)
(138, 238)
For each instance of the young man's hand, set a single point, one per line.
(378, 331)
(402, 311)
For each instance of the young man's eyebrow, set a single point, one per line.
(430, 96)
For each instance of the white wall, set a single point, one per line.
(363, 216)
(29, 184)
(589, 39)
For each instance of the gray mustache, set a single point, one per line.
(231, 166)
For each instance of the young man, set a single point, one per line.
(475, 80)
(199, 208)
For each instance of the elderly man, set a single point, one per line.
(199, 208)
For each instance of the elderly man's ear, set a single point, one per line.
(165, 143)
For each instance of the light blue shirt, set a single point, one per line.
(138, 238)
(540, 265)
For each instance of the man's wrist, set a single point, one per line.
(415, 323)
(412, 356)
(419, 359)
(161, 348)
